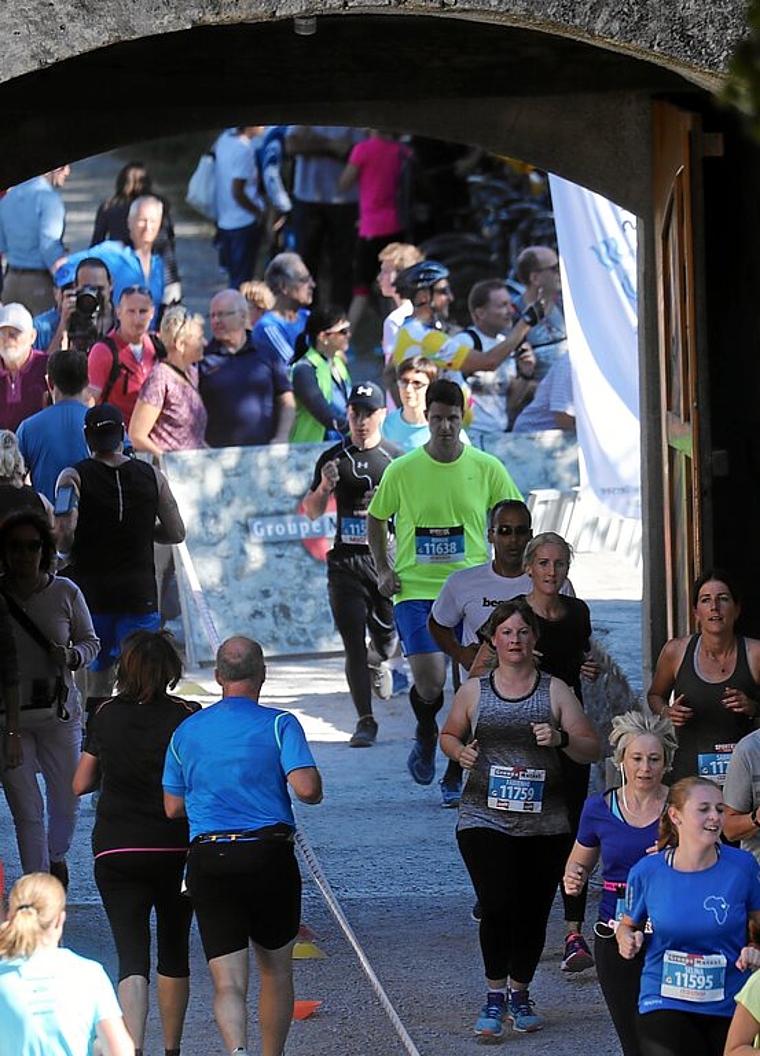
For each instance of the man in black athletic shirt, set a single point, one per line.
(352, 469)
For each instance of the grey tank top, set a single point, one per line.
(505, 739)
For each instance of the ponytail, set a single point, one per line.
(35, 904)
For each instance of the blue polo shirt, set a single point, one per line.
(230, 764)
(240, 391)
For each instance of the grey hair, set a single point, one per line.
(12, 466)
(545, 539)
(240, 659)
(636, 723)
(281, 269)
(144, 199)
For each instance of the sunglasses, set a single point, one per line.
(409, 383)
(128, 291)
(507, 529)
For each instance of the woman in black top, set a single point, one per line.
(564, 642)
(139, 852)
(713, 677)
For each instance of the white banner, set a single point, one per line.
(597, 248)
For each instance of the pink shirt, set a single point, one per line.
(379, 162)
(181, 425)
(127, 386)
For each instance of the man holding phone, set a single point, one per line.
(106, 526)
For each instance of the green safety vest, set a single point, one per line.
(306, 429)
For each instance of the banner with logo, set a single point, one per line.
(597, 248)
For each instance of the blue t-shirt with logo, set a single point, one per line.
(699, 926)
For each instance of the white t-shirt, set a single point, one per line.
(235, 160)
(470, 595)
(488, 388)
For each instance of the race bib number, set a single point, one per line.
(439, 545)
(693, 976)
(516, 788)
(353, 531)
(715, 764)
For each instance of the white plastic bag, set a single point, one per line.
(201, 190)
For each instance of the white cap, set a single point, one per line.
(16, 316)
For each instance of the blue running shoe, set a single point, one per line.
(520, 1012)
(490, 1022)
(450, 794)
(421, 761)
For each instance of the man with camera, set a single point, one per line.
(84, 310)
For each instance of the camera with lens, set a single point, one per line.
(85, 321)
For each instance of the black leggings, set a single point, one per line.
(131, 884)
(515, 879)
(620, 980)
(672, 1033)
(575, 777)
(356, 604)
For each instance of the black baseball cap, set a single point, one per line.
(368, 395)
(103, 418)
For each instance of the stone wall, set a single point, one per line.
(693, 37)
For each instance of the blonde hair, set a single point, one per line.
(400, 255)
(635, 723)
(258, 294)
(174, 320)
(12, 466)
(679, 793)
(546, 539)
(36, 901)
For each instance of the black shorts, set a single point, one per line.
(244, 890)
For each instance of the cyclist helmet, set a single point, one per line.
(422, 276)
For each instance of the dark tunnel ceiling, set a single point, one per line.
(207, 77)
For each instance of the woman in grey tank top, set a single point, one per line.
(506, 730)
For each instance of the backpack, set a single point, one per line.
(201, 188)
(477, 344)
(117, 367)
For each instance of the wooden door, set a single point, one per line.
(678, 152)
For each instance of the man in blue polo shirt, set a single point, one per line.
(228, 769)
(245, 389)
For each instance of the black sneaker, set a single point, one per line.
(365, 733)
(61, 872)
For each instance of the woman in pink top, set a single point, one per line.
(377, 164)
(169, 414)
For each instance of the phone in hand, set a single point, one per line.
(65, 500)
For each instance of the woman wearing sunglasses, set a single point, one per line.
(321, 382)
(54, 637)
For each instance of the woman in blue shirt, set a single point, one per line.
(699, 896)
(621, 826)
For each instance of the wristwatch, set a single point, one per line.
(564, 739)
(753, 818)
